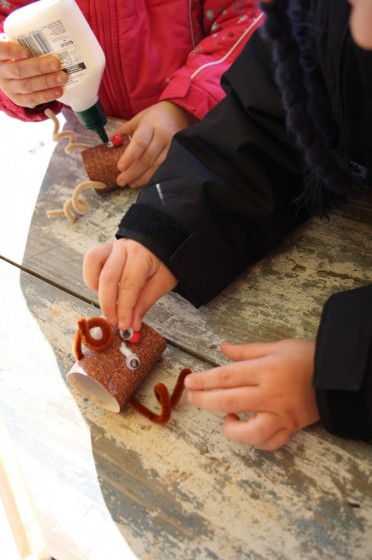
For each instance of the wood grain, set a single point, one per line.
(111, 485)
(117, 486)
(294, 281)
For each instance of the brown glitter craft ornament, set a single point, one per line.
(113, 365)
(101, 165)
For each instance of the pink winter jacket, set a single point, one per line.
(159, 49)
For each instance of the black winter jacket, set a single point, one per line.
(225, 196)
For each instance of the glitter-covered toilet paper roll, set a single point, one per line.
(101, 164)
(110, 376)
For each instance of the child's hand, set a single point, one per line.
(129, 279)
(273, 381)
(361, 22)
(29, 81)
(151, 131)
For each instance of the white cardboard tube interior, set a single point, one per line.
(92, 390)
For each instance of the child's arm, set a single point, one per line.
(224, 28)
(192, 90)
(226, 193)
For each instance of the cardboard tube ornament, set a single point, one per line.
(112, 365)
(101, 165)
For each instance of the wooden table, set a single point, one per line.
(116, 486)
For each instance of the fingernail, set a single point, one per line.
(61, 78)
(24, 54)
(54, 66)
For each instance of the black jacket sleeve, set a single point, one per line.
(343, 364)
(225, 194)
(223, 198)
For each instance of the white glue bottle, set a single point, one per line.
(59, 27)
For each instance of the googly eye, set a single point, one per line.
(133, 361)
(127, 334)
(134, 337)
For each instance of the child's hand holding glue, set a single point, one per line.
(29, 81)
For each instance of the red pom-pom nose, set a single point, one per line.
(136, 337)
(117, 140)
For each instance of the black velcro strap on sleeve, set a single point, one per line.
(150, 222)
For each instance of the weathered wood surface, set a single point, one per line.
(107, 484)
(318, 259)
(116, 486)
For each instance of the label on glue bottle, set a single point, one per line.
(59, 27)
(54, 38)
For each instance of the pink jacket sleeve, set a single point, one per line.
(13, 110)
(224, 30)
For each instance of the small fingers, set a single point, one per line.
(31, 100)
(13, 51)
(138, 145)
(32, 82)
(132, 281)
(140, 160)
(110, 282)
(240, 399)
(128, 278)
(34, 66)
(23, 93)
(146, 176)
(102, 268)
(277, 440)
(265, 431)
(93, 263)
(127, 128)
(226, 376)
(240, 352)
(41, 84)
(161, 283)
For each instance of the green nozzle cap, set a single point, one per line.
(94, 118)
